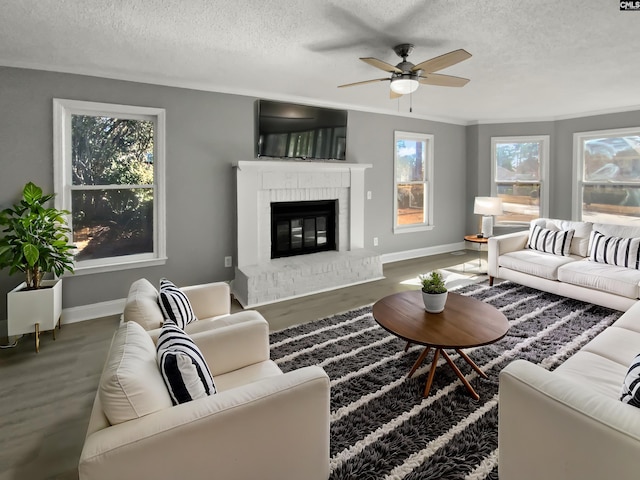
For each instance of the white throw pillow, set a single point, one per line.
(550, 241)
(623, 252)
(131, 385)
(582, 230)
(175, 305)
(184, 370)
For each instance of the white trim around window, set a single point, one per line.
(63, 110)
(425, 182)
(613, 179)
(543, 181)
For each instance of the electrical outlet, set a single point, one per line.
(369, 195)
(375, 241)
(228, 261)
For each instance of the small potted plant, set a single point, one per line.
(434, 292)
(35, 241)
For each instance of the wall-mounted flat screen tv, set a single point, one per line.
(288, 130)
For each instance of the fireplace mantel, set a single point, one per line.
(260, 182)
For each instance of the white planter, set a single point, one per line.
(434, 302)
(26, 308)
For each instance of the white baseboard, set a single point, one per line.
(421, 252)
(95, 310)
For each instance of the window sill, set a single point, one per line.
(412, 229)
(114, 267)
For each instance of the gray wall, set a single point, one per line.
(206, 132)
(560, 152)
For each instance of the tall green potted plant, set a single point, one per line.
(35, 241)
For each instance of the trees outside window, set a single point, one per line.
(607, 176)
(519, 166)
(109, 170)
(413, 166)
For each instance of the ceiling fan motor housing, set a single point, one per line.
(403, 50)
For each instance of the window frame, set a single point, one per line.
(63, 110)
(427, 181)
(579, 139)
(544, 140)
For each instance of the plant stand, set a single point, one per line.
(33, 311)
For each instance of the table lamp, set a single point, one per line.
(488, 207)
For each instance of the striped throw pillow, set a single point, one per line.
(623, 252)
(550, 241)
(183, 368)
(631, 386)
(175, 305)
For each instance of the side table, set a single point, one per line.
(478, 241)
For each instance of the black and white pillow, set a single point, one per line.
(549, 241)
(184, 370)
(175, 305)
(623, 252)
(631, 386)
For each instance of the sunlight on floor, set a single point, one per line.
(457, 276)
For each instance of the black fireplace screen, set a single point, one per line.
(299, 228)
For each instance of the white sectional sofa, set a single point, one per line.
(261, 423)
(573, 275)
(569, 424)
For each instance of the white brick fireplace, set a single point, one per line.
(260, 279)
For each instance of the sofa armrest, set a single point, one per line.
(551, 426)
(209, 299)
(235, 345)
(502, 244)
(275, 428)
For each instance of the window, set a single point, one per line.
(413, 165)
(607, 170)
(519, 169)
(109, 173)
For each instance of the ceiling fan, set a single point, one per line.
(406, 77)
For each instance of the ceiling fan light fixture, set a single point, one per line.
(404, 85)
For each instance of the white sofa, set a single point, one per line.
(569, 424)
(572, 276)
(261, 423)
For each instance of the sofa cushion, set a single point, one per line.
(242, 376)
(142, 305)
(183, 367)
(601, 276)
(624, 252)
(582, 230)
(550, 241)
(631, 386)
(175, 305)
(131, 385)
(597, 373)
(613, 230)
(533, 262)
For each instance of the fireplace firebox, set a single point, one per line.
(299, 228)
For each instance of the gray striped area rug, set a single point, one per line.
(382, 428)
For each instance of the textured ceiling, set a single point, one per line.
(536, 59)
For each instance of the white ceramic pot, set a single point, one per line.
(25, 308)
(434, 302)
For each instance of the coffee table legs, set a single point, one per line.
(434, 364)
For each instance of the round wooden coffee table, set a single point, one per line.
(465, 322)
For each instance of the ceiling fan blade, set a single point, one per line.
(362, 83)
(443, 61)
(443, 80)
(393, 95)
(387, 67)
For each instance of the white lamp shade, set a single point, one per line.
(404, 86)
(487, 206)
